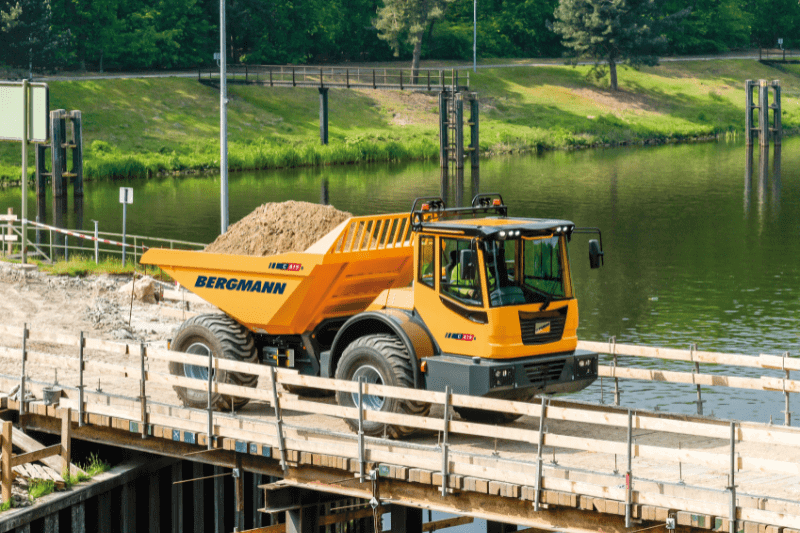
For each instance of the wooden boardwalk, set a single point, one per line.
(563, 466)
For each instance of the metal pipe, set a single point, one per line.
(223, 121)
(361, 430)
(732, 519)
(629, 473)
(24, 194)
(542, 415)
(22, 377)
(210, 408)
(143, 392)
(444, 439)
(96, 243)
(278, 420)
(81, 347)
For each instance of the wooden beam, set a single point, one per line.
(28, 444)
(447, 522)
(5, 459)
(37, 455)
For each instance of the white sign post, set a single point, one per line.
(125, 198)
(24, 113)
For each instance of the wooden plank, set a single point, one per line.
(262, 371)
(183, 296)
(778, 362)
(8, 218)
(27, 444)
(672, 354)
(447, 522)
(710, 380)
(8, 238)
(220, 388)
(37, 455)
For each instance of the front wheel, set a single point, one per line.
(384, 360)
(224, 338)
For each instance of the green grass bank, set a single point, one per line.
(140, 127)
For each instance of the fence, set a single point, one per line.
(47, 242)
(778, 54)
(461, 459)
(695, 357)
(322, 77)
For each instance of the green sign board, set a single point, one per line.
(12, 112)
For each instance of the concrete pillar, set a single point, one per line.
(219, 501)
(302, 520)
(177, 499)
(499, 527)
(323, 115)
(129, 507)
(104, 511)
(154, 506)
(79, 518)
(51, 523)
(199, 500)
(406, 519)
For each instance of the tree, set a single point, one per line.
(406, 21)
(28, 36)
(613, 31)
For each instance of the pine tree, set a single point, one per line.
(613, 32)
(406, 21)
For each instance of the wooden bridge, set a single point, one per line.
(564, 466)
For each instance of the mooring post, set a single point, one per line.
(542, 415)
(474, 142)
(323, 114)
(6, 460)
(445, 431)
(748, 116)
(629, 473)
(41, 171)
(777, 124)
(459, 125)
(443, 119)
(77, 152)
(732, 487)
(763, 113)
(81, 347)
(278, 421)
(57, 153)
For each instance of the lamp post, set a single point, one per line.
(223, 121)
(475, 36)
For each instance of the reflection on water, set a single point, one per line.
(693, 255)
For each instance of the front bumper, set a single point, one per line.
(512, 378)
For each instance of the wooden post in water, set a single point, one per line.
(57, 155)
(777, 125)
(748, 116)
(41, 171)
(77, 151)
(459, 127)
(474, 143)
(443, 126)
(763, 113)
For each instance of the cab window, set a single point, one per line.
(463, 286)
(426, 266)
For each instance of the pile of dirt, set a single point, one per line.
(278, 227)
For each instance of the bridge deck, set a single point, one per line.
(679, 463)
(341, 77)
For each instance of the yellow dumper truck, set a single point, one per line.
(466, 297)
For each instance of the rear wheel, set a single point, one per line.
(223, 337)
(384, 360)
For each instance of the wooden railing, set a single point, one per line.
(783, 363)
(448, 463)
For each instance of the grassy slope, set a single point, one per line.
(148, 125)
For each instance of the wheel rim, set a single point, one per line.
(195, 371)
(369, 374)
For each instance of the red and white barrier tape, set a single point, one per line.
(82, 236)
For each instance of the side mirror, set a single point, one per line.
(466, 267)
(595, 254)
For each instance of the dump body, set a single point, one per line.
(292, 293)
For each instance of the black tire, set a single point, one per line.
(381, 359)
(226, 339)
(483, 416)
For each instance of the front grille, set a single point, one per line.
(542, 328)
(546, 372)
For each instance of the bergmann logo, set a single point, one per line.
(234, 284)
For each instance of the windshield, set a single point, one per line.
(538, 260)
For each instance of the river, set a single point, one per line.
(700, 247)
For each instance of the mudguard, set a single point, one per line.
(407, 325)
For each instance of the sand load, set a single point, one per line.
(278, 227)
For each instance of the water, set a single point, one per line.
(700, 248)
